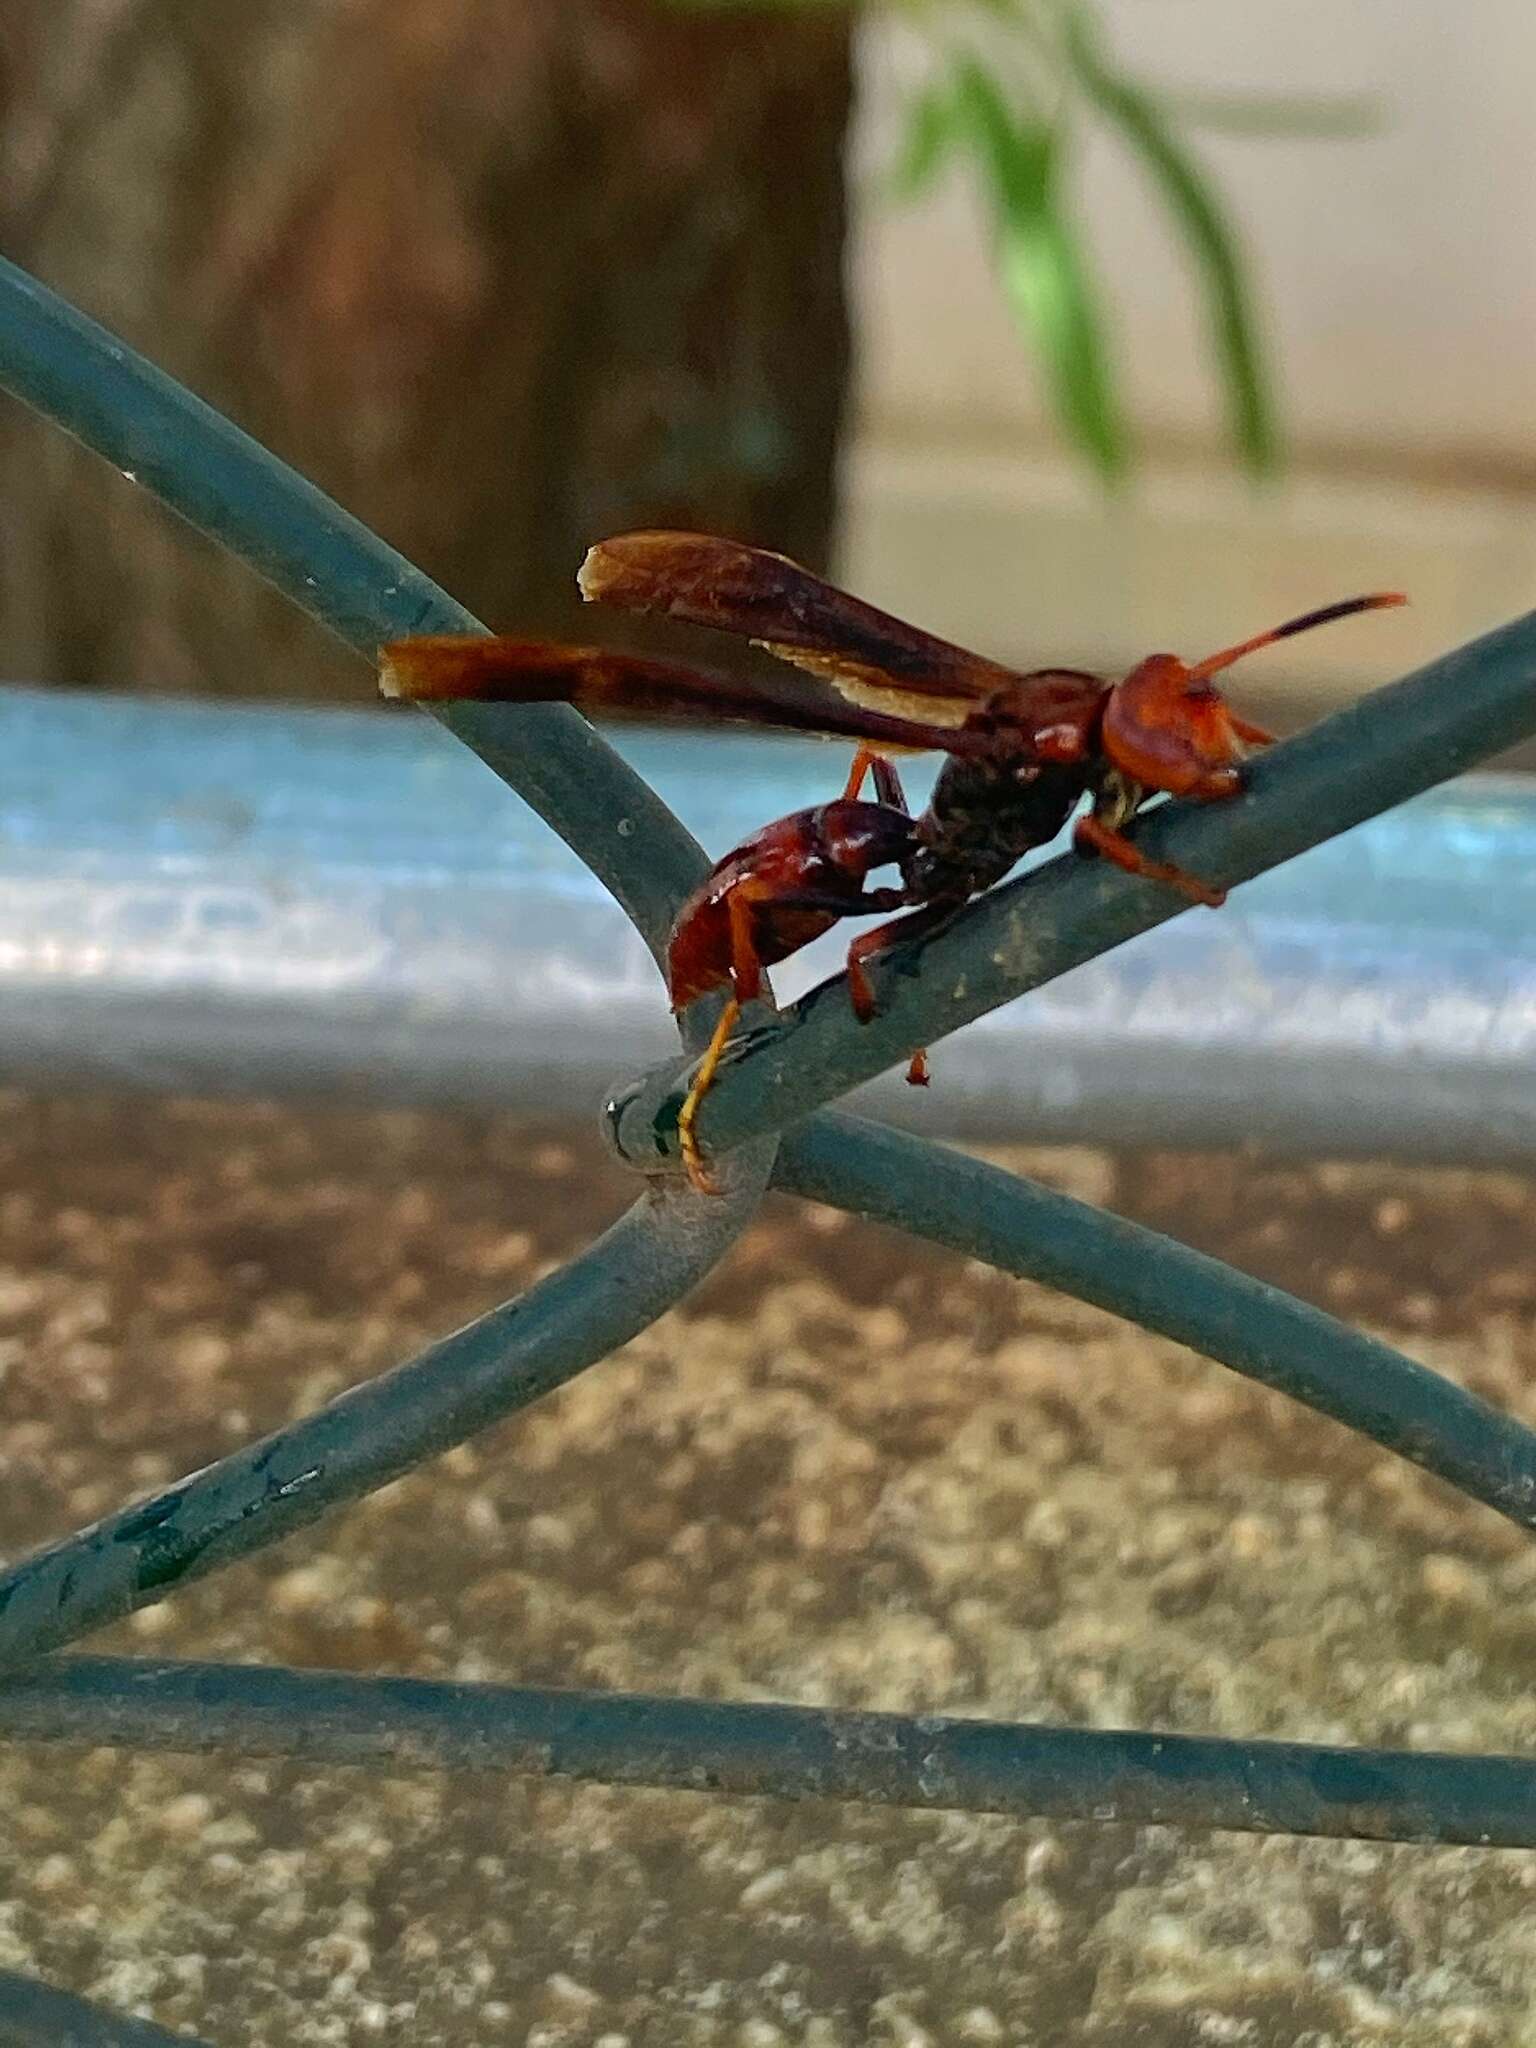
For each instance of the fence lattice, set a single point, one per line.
(766, 1118)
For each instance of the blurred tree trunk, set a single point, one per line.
(503, 275)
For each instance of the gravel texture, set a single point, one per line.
(848, 1471)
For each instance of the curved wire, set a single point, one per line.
(376, 1431)
(204, 468)
(1259, 1331)
(771, 1751)
(34, 2015)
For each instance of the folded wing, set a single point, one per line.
(870, 657)
(607, 685)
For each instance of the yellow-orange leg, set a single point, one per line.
(888, 789)
(746, 982)
(1104, 839)
(698, 1088)
(863, 761)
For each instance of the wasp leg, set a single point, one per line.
(1092, 833)
(863, 761)
(858, 981)
(863, 996)
(746, 975)
(888, 789)
(1253, 735)
(698, 1088)
(888, 786)
(928, 919)
(746, 981)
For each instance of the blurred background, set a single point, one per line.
(1073, 332)
(1372, 165)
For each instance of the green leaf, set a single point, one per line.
(1043, 277)
(932, 130)
(1206, 228)
(1041, 267)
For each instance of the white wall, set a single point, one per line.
(1397, 277)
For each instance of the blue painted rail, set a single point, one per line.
(344, 904)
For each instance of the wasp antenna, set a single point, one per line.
(1378, 600)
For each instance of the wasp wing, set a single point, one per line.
(607, 685)
(869, 656)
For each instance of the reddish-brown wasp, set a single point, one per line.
(1023, 750)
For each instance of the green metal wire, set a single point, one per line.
(228, 486)
(34, 2015)
(1399, 742)
(1390, 745)
(1257, 1330)
(224, 483)
(777, 1752)
(616, 1288)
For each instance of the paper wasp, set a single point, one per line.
(1023, 750)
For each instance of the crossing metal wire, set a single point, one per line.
(767, 1124)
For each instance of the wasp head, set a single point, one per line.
(1167, 727)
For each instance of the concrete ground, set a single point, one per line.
(848, 1470)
